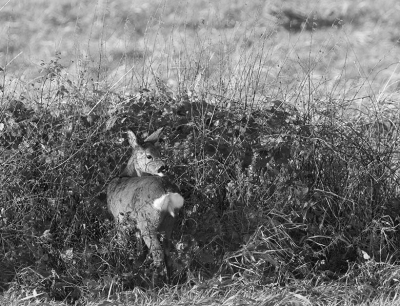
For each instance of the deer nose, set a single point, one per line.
(163, 169)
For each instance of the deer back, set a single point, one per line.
(135, 198)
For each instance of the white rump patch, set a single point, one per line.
(169, 202)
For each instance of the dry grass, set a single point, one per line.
(269, 237)
(220, 40)
(217, 293)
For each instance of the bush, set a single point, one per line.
(270, 193)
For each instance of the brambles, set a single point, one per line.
(284, 145)
(266, 190)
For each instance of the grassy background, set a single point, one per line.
(281, 125)
(173, 38)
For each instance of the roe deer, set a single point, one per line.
(145, 198)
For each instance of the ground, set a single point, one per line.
(281, 122)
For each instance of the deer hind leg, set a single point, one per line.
(166, 227)
(152, 242)
(168, 259)
(167, 252)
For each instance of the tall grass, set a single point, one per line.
(284, 144)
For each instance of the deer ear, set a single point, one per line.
(154, 137)
(132, 139)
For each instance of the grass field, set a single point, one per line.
(281, 125)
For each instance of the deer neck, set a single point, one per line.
(131, 169)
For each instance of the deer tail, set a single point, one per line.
(170, 202)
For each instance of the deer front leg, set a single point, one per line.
(152, 242)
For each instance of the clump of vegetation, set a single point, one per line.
(286, 190)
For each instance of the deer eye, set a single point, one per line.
(149, 157)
